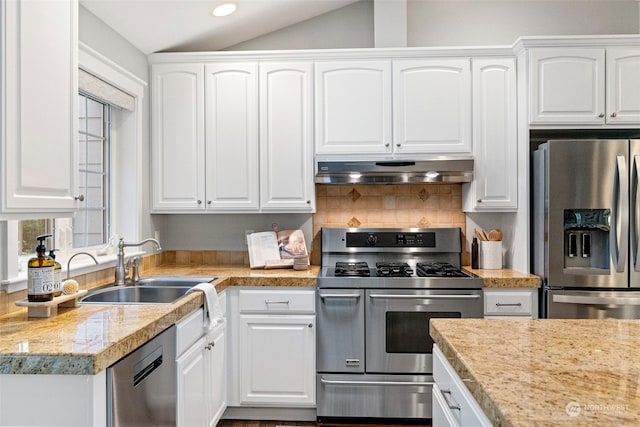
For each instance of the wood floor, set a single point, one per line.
(238, 423)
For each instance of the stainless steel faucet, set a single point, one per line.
(121, 269)
(73, 256)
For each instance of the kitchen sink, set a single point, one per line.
(148, 290)
(181, 282)
(136, 295)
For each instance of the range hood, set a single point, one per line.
(442, 171)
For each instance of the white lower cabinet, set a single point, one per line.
(201, 366)
(272, 349)
(511, 303)
(453, 404)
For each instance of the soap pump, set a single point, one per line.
(57, 274)
(40, 276)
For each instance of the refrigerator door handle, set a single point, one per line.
(619, 233)
(593, 300)
(634, 212)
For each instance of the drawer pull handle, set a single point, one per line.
(446, 393)
(345, 296)
(271, 301)
(503, 304)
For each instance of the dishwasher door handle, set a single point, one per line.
(146, 366)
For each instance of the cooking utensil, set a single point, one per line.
(495, 235)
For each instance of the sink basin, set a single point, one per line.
(182, 282)
(136, 295)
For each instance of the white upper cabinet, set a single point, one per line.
(495, 135)
(567, 85)
(400, 107)
(353, 107)
(231, 105)
(432, 106)
(597, 86)
(623, 85)
(39, 107)
(286, 137)
(177, 132)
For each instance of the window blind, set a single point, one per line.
(99, 88)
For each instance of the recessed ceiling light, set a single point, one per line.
(224, 9)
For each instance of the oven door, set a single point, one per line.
(397, 326)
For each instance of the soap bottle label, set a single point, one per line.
(40, 281)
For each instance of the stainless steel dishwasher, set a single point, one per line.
(141, 387)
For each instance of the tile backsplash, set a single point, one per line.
(386, 206)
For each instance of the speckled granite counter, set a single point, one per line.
(87, 339)
(505, 278)
(547, 372)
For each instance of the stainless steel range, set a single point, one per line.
(377, 290)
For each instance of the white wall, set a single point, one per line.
(495, 22)
(226, 232)
(348, 27)
(458, 23)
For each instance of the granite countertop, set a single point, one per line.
(547, 372)
(87, 339)
(505, 278)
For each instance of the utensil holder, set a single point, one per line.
(490, 255)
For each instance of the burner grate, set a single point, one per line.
(393, 269)
(438, 269)
(360, 269)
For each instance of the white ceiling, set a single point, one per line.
(187, 25)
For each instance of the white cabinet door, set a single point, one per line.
(623, 85)
(177, 136)
(216, 374)
(353, 107)
(432, 106)
(39, 70)
(567, 85)
(495, 134)
(286, 137)
(192, 381)
(231, 105)
(277, 360)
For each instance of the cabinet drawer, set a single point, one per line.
(510, 303)
(465, 411)
(276, 301)
(188, 330)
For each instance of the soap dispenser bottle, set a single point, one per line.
(57, 274)
(40, 274)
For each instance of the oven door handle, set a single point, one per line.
(345, 296)
(393, 383)
(392, 296)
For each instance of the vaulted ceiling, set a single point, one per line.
(177, 25)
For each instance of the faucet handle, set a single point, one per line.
(135, 276)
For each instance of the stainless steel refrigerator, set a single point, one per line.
(585, 227)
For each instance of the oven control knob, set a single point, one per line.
(372, 239)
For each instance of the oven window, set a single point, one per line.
(408, 331)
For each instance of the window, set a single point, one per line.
(28, 230)
(91, 222)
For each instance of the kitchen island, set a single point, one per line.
(547, 372)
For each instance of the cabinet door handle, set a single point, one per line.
(446, 393)
(614, 114)
(386, 145)
(310, 325)
(79, 198)
(199, 202)
(601, 115)
(503, 304)
(398, 145)
(270, 301)
(479, 200)
(209, 202)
